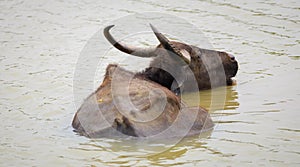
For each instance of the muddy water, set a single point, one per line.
(257, 123)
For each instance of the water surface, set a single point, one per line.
(258, 125)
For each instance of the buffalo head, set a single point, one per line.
(210, 68)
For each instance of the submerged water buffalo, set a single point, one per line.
(146, 104)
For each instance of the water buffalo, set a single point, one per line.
(147, 104)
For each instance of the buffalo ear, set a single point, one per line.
(168, 45)
(186, 54)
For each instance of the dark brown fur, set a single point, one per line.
(227, 68)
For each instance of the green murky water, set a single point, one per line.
(257, 120)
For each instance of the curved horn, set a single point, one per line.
(167, 44)
(140, 52)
